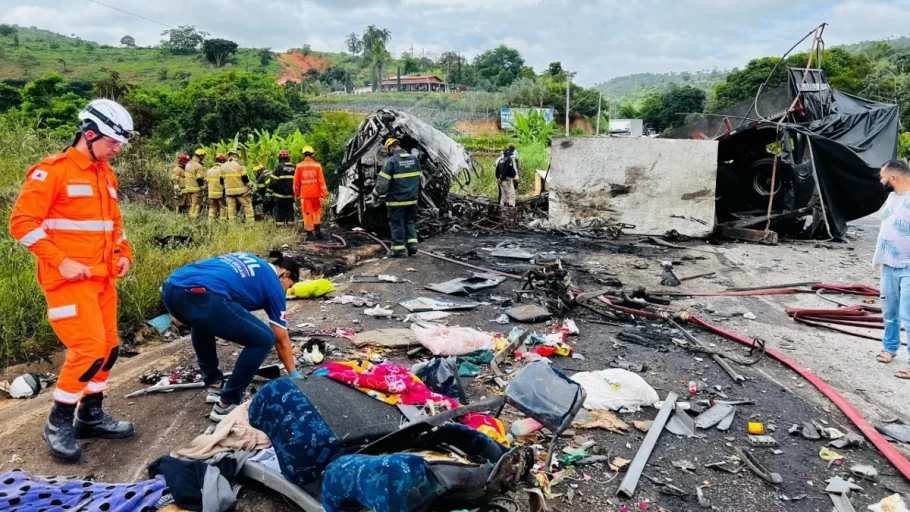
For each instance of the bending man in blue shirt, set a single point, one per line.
(215, 297)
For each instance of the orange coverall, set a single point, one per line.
(68, 208)
(309, 186)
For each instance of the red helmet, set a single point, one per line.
(183, 158)
(220, 158)
(284, 154)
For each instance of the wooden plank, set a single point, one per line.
(749, 235)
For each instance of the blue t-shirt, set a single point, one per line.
(241, 277)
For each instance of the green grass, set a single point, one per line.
(24, 332)
(532, 157)
(41, 53)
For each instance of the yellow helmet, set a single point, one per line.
(257, 168)
(233, 151)
(390, 142)
(308, 150)
(201, 152)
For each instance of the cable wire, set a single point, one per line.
(131, 13)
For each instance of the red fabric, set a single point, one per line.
(386, 378)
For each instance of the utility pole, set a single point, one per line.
(600, 99)
(568, 88)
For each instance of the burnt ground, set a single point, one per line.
(164, 422)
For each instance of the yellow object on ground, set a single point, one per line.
(829, 455)
(311, 289)
(756, 428)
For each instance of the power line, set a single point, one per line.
(131, 13)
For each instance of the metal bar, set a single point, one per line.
(162, 389)
(633, 474)
(717, 359)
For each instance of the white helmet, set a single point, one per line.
(108, 118)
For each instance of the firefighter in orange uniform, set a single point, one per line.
(68, 215)
(309, 186)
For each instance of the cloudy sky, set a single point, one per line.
(599, 39)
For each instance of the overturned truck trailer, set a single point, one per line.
(832, 146)
(442, 160)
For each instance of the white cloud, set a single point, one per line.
(598, 38)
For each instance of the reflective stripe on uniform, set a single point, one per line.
(78, 225)
(96, 387)
(79, 191)
(384, 175)
(65, 397)
(412, 240)
(398, 247)
(407, 175)
(401, 203)
(284, 177)
(59, 313)
(282, 196)
(32, 237)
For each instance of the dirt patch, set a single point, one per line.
(296, 65)
(478, 126)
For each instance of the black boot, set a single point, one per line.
(92, 421)
(59, 433)
(318, 231)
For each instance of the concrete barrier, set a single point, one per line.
(654, 184)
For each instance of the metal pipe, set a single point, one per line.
(630, 481)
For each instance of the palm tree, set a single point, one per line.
(353, 43)
(378, 57)
(373, 35)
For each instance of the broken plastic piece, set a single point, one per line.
(829, 455)
(762, 441)
(421, 304)
(865, 472)
(893, 503)
(849, 440)
(838, 485)
(681, 423)
(466, 285)
(753, 464)
(714, 415)
(528, 314)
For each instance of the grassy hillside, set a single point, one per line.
(41, 52)
(633, 88)
(897, 43)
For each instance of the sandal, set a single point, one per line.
(903, 373)
(885, 357)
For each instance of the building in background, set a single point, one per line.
(414, 83)
(626, 127)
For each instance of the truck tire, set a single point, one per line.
(728, 193)
(760, 178)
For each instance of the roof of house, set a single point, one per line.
(413, 79)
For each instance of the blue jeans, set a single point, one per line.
(895, 305)
(211, 315)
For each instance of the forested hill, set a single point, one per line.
(633, 88)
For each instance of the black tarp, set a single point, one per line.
(844, 150)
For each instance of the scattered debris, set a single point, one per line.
(615, 389)
(451, 341)
(380, 278)
(761, 441)
(161, 323)
(753, 464)
(838, 485)
(667, 277)
(26, 386)
(829, 455)
(466, 285)
(893, 503)
(377, 311)
(865, 472)
(895, 431)
(525, 426)
(630, 481)
(749, 315)
(713, 416)
(421, 304)
(727, 422)
(605, 420)
(703, 501)
(389, 338)
(528, 314)
(850, 440)
(618, 463)
(681, 423)
(810, 432)
(427, 316)
(683, 464)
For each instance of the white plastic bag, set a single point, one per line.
(615, 389)
(452, 341)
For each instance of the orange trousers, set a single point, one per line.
(84, 316)
(312, 212)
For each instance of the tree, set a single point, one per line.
(378, 57)
(217, 51)
(7, 30)
(410, 64)
(353, 43)
(373, 35)
(220, 106)
(10, 97)
(45, 101)
(679, 101)
(113, 87)
(265, 56)
(128, 41)
(501, 66)
(306, 50)
(184, 39)
(555, 69)
(16, 39)
(527, 92)
(63, 63)
(627, 111)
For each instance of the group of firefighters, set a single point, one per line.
(228, 190)
(68, 215)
